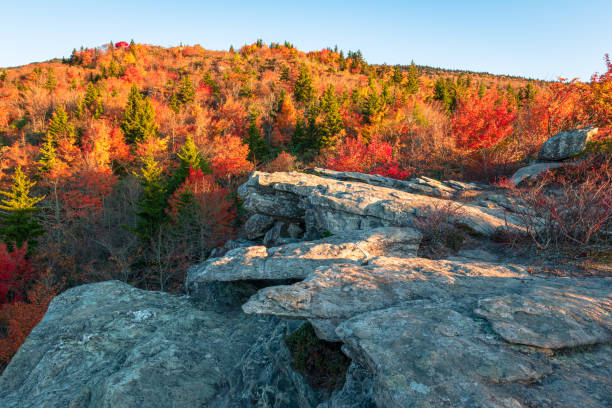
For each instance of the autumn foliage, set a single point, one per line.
(129, 155)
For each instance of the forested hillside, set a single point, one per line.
(122, 162)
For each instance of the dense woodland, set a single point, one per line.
(122, 162)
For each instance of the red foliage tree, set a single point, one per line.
(202, 211)
(482, 122)
(374, 158)
(15, 274)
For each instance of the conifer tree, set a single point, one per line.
(186, 91)
(373, 104)
(60, 126)
(138, 119)
(51, 82)
(413, 82)
(189, 157)
(18, 218)
(151, 207)
(332, 121)
(397, 77)
(303, 89)
(258, 147)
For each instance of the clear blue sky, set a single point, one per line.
(540, 39)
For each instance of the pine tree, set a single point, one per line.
(332, 121)
(18, 218)
(258, 147)
(92, 100)
(51, 82)
(397, 77)
(138, 119)
(151, 207)
(186, 91)
(60, 126)
(413, 82)
(373, 104)
(189, 157)
(303, 89)
(48, 156)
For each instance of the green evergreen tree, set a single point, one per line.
(51, 82)
(332, 121)
(151, 214)
(60, 126)
(48, 157)
(186, 91)
(18, 223)
(412, 82)
(443, 93)
(372, 104)
(138, 118)
(259, 149)
(189, 157)
(93, 101)
(397, 77)
(298, 138)
(303, 89)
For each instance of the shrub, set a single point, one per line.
(439, 224)
(569, 209)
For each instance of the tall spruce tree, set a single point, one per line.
(412, 82)
(332, 120)
(303, 89)
(259, 150)
(138, 118)
(189, 157)
(59, 127)
(186, 91)
(151, 207)
(18, 223)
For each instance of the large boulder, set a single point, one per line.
(326, 204)
(110, 345)
(566, 144)
(427, 354)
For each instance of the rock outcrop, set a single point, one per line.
(110, 345)
(331, 205)
(566, 144)
(559, 147)
(473, 330)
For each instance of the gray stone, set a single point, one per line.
(566, 144)
(552, 319)
(356, 392)
(335, 293)
(256, 226)
(110, 345)
(331, 205)
(532, 172)
(297, 260)
(426, 354)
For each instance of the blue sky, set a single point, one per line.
(540, 39)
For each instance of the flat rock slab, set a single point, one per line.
(333, 294)
(328, 204)
(566, 144)
(298, 260)
(552, 318)
(110, 345)
(532, 171)
(425, 354)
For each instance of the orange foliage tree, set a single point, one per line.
(481, 122)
